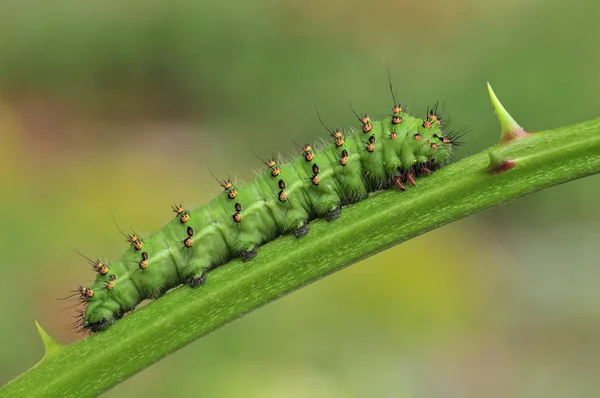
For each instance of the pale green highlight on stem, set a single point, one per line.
(544, 159)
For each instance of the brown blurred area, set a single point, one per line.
(113, 108)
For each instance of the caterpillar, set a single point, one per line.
(284, 199)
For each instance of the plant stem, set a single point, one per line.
(91, 366)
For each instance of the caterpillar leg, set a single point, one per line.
(195, 282)
(246, 242)
(326, 203)
(302, 230)
(333, 213)
(410, 177)
(249, 254)
(399, 183)
(424, 170)
(405, 176)
(195, 271)
(199, 278)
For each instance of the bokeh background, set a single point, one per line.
(114, 107)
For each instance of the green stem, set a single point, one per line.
(90, 366)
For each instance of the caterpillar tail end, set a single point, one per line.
(51, 346)
(510, 129)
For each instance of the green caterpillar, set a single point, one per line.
(382, 154)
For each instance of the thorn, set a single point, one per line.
(499, 165)
(510, 129)
(51, 346)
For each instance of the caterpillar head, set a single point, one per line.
(439, 148)
(434, 143)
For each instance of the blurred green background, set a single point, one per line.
(112, 107)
